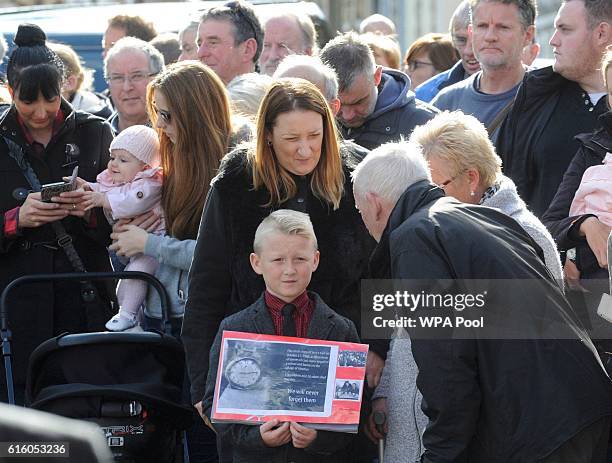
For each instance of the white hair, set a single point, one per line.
(304, 24)
(156, 59)
(246, 92)
(312, 69)
(389, 169)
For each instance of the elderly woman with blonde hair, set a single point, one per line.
(463, 162)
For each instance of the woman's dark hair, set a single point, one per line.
(33, 68)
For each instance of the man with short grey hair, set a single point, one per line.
(468, 65)
(377, 24)
(377, 106)
(286, 33)
(128, 67)
(437, 247)
(500, 31)
(230, 39)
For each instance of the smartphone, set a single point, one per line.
(50, 190)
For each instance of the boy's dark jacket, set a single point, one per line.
(245, 440)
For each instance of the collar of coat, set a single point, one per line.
(416, 196)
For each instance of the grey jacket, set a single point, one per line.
(406, 420)
(174, 257)
(510, 203)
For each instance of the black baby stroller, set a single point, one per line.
(129, 383)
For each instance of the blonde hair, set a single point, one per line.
(384, 45)
(286, 222)
(200, 111)
(461, 141)
(327, 182)
(72, 65)
(246, 92)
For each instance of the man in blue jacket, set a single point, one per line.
(377, 105)
(468, 65)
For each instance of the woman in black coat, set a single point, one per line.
(52, 138)
(294, 164)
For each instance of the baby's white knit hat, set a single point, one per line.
(141, 142)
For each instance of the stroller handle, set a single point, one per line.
(37, 278)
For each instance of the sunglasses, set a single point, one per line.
(237, 8)
(165, 115)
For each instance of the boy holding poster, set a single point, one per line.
(285, 255)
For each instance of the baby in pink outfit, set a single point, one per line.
(130, 186)
(594, 196)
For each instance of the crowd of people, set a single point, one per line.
(250, 168)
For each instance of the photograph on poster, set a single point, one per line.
(348, 389)
(351, 358)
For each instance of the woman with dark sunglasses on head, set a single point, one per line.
(42, 139)
(188, 105)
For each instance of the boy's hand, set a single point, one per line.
(302, 436)
(274, 436)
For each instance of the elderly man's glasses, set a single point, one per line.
(117, 80)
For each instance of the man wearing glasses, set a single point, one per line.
(128, 67)
(230, 40)
(468, 65)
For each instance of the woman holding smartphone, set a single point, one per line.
(42, 139)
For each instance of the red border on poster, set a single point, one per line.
(344, 412)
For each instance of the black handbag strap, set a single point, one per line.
(64, 240)
(499, 118)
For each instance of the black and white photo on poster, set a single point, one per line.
(266, 377)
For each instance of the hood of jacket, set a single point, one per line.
(393, 92)
(414, 198)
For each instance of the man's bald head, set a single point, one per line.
(377, 24)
